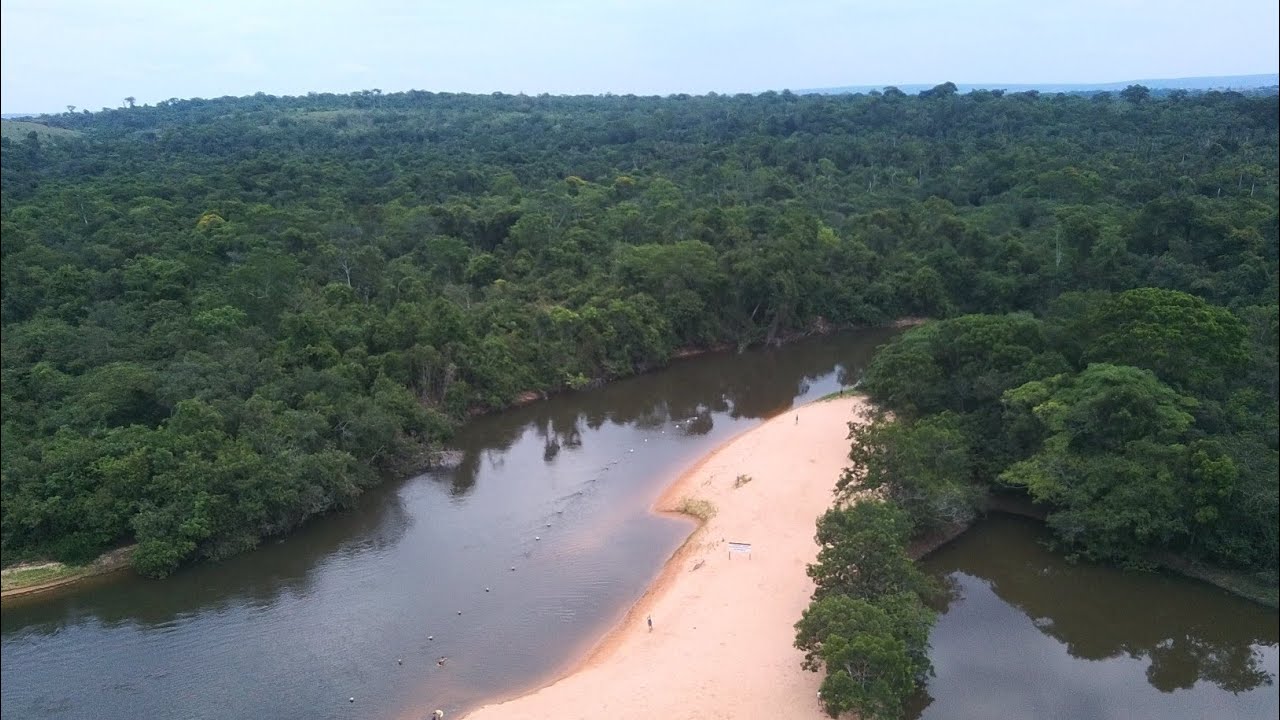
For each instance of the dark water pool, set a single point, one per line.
(1029, 635)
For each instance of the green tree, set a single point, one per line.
(875, 653)
(961, 364)
(1185, 341)
(862, 552)
(923, 466)
(1136, 94)
(1114, 462)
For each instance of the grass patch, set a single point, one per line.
(741, 480)
(847, 392)
(17, 130)
(19, 578)
(702, 509)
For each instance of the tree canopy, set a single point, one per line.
(1171, 446)
(224, 316)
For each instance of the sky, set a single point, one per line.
(94, 53)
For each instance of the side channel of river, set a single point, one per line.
(1028, 635)
(363, 604)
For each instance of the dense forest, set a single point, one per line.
(221, 317)
(1143, 422)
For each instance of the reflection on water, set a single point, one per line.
(1029, 635)
(688, 397)
(558, 490)
(263, 577)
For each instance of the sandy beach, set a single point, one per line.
(721, 641)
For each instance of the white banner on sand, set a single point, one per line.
(739, 547)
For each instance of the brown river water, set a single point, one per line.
(1029, 635)
(361, 604)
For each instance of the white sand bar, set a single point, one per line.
(721, 644)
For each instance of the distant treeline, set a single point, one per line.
(1179, 88)
(221, 317)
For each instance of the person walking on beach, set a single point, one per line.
(650, 619)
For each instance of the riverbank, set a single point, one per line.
(1258, 587)
(30, 579)
(820, 328)
(28, 582)
(721, 641)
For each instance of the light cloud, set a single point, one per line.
(91, 52)
(352, 68)
(242, 63)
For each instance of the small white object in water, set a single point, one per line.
(351, 699)
(459, 612)
(632, 450)
(399, 661)
(537, 537)
(486, 589)
(548, 524)
(513, 568)
(431, 637)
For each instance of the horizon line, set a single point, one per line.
(798, 90)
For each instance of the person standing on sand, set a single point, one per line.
(650, 619)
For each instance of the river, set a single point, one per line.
(512, 564)
(362, 604)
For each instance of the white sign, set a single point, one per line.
(739, 547)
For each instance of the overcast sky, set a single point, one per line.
(93, 53)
